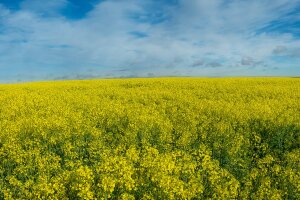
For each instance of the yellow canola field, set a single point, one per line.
(158, 138)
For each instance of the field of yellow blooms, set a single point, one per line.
(157, 138)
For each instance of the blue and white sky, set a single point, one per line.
(74, 39)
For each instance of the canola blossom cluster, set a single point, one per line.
(156, 138)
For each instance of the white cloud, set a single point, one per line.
(214, 31)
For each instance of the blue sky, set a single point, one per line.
(74, 39)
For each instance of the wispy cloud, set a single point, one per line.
(40, 40)
(43, 8)
(287, 52)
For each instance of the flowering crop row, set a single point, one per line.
(158, 138)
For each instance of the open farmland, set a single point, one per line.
(158, 138)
